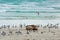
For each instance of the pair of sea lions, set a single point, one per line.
(32, 27)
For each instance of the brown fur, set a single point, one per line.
(31, 27)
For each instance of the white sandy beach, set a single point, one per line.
(41, 34)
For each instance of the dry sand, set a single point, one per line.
(41, 34)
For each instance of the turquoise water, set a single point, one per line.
(29, 9)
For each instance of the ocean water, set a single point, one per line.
(29, 9)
